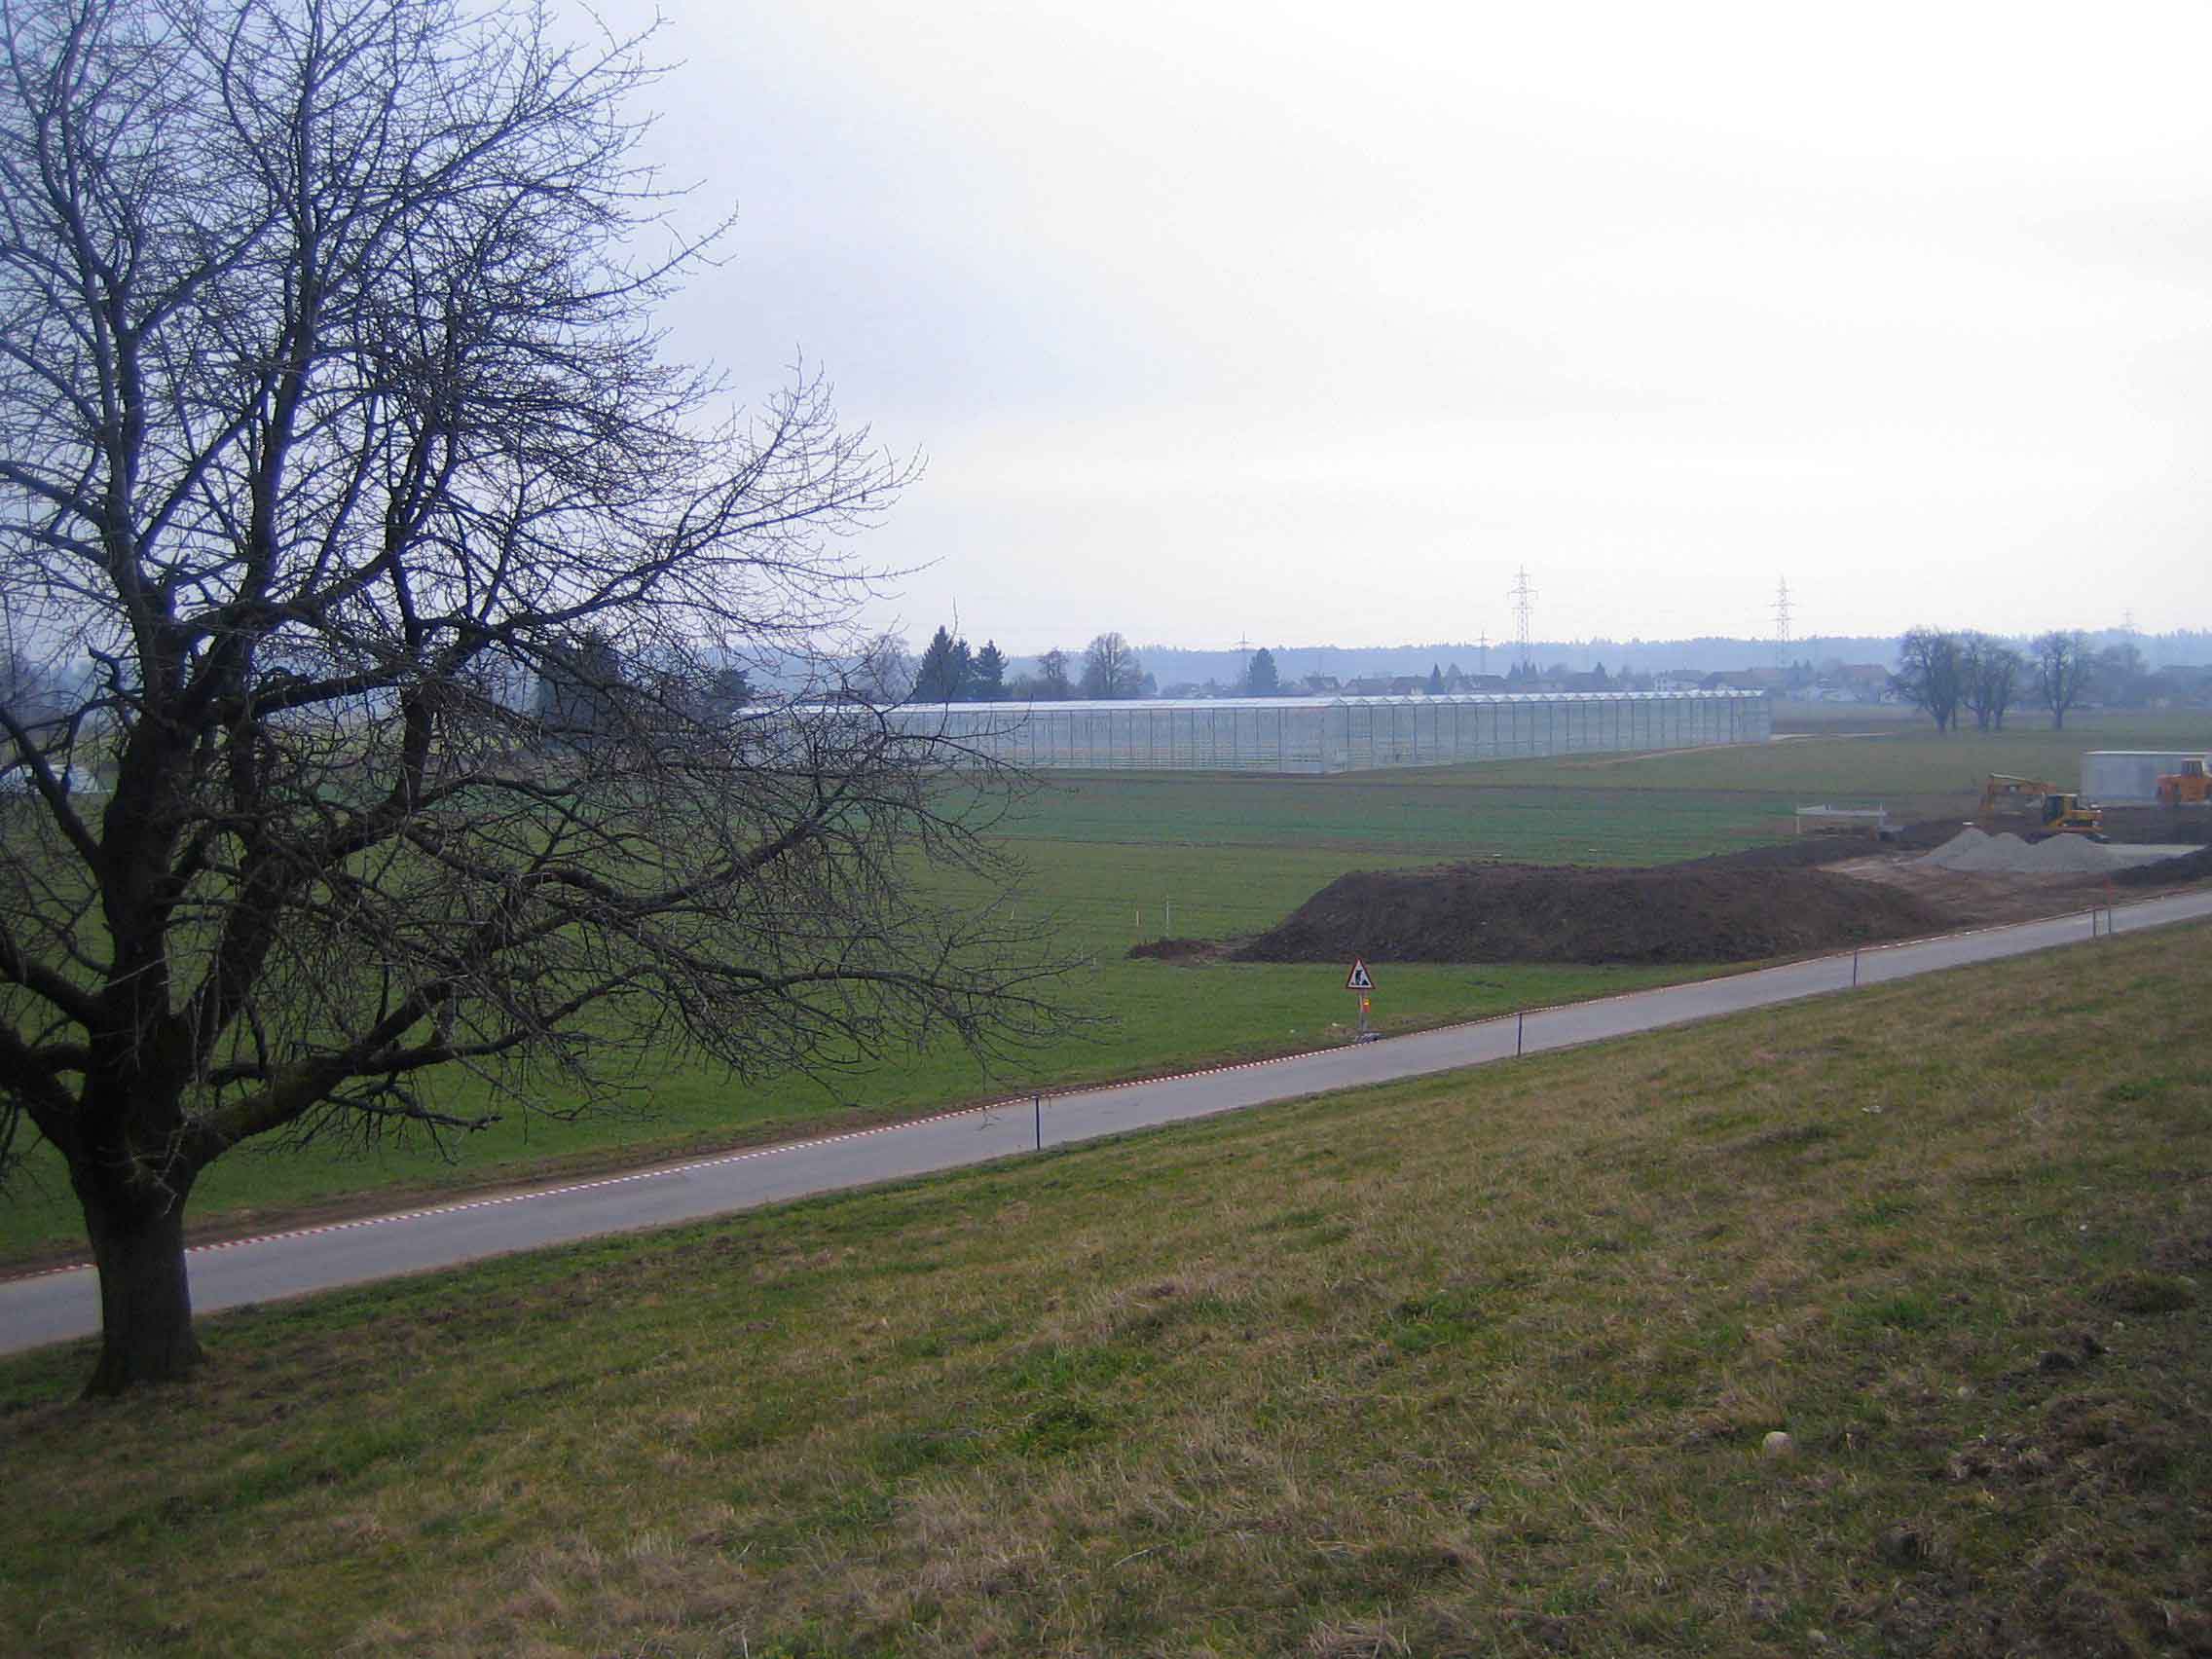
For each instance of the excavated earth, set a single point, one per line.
(2194, 867)
(1712, 910)
(1804, 895)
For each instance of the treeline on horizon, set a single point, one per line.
(948, 670)
(1708, 654)
(1943, 672)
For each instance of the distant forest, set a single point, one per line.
(1174, 665)
(26, 676)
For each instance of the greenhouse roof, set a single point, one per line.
(1080, 705)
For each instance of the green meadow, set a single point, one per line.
(1114, 860)
(1485, 1364)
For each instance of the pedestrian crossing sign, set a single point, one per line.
(1357, 980)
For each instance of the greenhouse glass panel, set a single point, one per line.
(1293, 735)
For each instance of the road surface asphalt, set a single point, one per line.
(64, 1304)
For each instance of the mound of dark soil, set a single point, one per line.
(2144, 824)
(1690, 912)
(2191, 866)
(1174, 950)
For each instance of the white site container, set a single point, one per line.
(2129, 777)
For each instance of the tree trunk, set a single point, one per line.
(145, 1298)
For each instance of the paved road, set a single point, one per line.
(57, 1305)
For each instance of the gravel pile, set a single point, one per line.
(2078, 852)
(1973, 852)
(1963, 845)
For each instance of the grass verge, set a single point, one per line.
(1473, 1365)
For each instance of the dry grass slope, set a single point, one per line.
(1470, 1366)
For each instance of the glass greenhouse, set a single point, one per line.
(1339, 734)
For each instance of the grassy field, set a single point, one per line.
(1115, 860)
(1475, 1365)
(1905, 762)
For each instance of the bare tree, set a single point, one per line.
(1054, 683)
(1989, 679)
(884, 674)
(1930, 673)
(1110, 668)
(2063, 665)
(330, 420)
(2123, 679)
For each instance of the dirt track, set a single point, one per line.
(1964, 899)
(1971, 900)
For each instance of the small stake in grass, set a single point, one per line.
(1037, 1105)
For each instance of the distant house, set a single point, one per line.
(1388, 686)
(1743, 680)
(1856, 683)
(2180, 687)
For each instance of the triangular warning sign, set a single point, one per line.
(1357, 980)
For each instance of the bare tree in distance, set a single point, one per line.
(1110, 668)
(884, 674)
(2062, 666)
(2121, 677)
(1930, 673)
(330, 421)
(1989, 679)
(1054, 683)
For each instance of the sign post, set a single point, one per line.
(1362, 982)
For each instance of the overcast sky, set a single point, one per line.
(1315, 323)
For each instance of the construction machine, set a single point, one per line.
(2189, 787)
(2049, 809)
(2065, 813)
(2008, 796)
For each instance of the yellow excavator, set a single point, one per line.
(2008, 796)
(2065, 813)
(2049, 809)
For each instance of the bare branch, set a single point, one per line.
(334, 434)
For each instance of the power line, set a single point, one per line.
(1524, 599)
(1782, 624)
